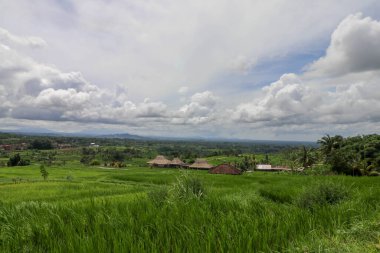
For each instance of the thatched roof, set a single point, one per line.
(225, 169)
(159, 160)
(201, 164)
(177, 162)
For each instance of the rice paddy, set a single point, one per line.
(138, 209)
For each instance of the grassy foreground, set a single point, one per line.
(83, 209)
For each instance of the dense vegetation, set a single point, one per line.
(358, 155)
(75, 200)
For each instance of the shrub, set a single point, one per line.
(94, 163)
(374, 174)
(188, 187)
(16, 160)
(41, 144)
(44, 172)
(321, 194)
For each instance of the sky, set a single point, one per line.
(262, 70)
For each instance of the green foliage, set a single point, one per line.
(306, 157)
(374, 174)
(41, 144)
(247, 163)
(16, 160)
(322, 194)
(159, 195)
(188, 187)
(329, 144)
(88, 155)
(94, 163)
(357, 155)
(44, 172)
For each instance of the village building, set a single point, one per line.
(93, 145)
(64, 146)
(200, 164)
(176, 162)
(225, 169)
(160, 161)
(268, 167)
(10, 147)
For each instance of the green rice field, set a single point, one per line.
(139, 209)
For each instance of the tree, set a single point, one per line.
(248, 163)
(328, 143)
(340, 162)
(16, 160)
(41, 144)
(306, 157)
(266, 159)
(44, 172)
(87, 155)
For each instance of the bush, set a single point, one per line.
(41, 144)
(44, 172)
(16, 160)
(188, 187)
(374, 174)
(94, 163)
(322, 194)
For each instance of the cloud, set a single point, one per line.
(183, 90)
(201, 109)
(107, 64)
(287, 100)
(34, 42)
(153, 48)
(31, 90)
(243, 64)
(339, 89)
(354, 47)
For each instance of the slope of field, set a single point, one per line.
(137, 209)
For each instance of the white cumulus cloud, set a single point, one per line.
(354, 47)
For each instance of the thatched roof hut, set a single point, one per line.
(159, 161)
(176, 162)
(201, 164)
(225, 169)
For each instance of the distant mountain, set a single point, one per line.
(100, 133)
(123, 136)
(29, 130)
(91, 133)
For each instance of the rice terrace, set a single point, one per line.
(65, 195)
(200, 126)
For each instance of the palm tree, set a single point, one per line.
(306, 157)
(328, 143)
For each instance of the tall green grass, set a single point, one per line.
(129, 211)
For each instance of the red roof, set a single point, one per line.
(225, 169)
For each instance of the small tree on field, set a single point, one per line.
(44, 172)
(16, 160)
(248, 163)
